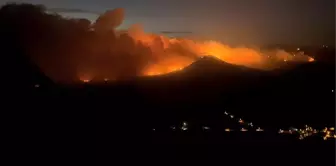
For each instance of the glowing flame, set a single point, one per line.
(105, 51)
(174, 54)
(310, 59)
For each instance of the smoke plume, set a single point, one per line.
(70, 50)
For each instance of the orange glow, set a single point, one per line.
(174, 54)
(171, 54)
(109, 51)
(310, 59)
(167, 66)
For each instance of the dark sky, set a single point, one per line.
(309, 22)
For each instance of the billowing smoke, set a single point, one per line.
(69, 50)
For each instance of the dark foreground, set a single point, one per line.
(84, 126)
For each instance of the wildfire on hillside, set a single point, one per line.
(100, 51)
(162, 55)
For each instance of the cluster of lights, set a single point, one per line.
(86, 81)
(308, 131)
(329, 133)
(242, 122)
(184, 126)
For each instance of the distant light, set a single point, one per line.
(37, 85)
(285, 60)
(231, 116)
(281, 131)
(243, 129)
(153, 129)
(106, 79)
(332, 90)
(250, 124)
(298, 49)
(227, 130)
(332, 128)
(86, 81)
(184, 126)
(226, 113)
(241, 121)
(206, 128)
(259, 129)
(310, 59)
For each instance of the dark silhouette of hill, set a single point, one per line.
(208, 87)
(305, 93)
(20, 71)
(210, 65)
(288, 98)
(207, 72)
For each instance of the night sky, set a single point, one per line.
(306, 22)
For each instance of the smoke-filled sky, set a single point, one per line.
(307, 22)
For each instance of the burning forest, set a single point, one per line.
(72, 50)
